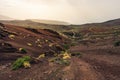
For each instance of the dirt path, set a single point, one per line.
(84, 71)
(105, 65)
(77, 70)
(98, 64)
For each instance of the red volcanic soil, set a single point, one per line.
(98, 61)
(40, 40)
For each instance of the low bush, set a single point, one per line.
(77, 54)
(20, 62)
(117, 43)
(66, 46)
(60, 61)
(22, 50)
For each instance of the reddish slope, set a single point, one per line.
(40, 40)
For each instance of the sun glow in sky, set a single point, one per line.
(72, 11)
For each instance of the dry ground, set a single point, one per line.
(98, 61)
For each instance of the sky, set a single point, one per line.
(72, 11)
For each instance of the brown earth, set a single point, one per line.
(101, 62)
(98, 61)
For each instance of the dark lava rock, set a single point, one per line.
(6, 47)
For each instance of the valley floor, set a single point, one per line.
(98, 63)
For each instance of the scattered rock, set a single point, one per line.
(29, 44)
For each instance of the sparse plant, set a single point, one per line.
(41, 56)
(77, 54)
(63, 58)
(22, 50)
(73, 44)
(61, 61)
(117, 43)
(66, 46)
(66, 56)
(20, 62)
(27, 64)
(11, 36)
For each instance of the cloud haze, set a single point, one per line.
(73, 11)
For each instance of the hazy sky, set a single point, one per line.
(73, 11)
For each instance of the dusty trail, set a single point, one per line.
(77, 70)
(84, 71)
(99, 63)
(108, 69)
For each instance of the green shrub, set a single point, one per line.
(66, 46)
(77, 54)
(73, 44)
(65, 62)
(19, 62)
(60, 61)
(22, 50)
(117, 43)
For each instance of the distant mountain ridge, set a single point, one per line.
(59, 25)
(5, 19)
(113, 22)
(36, 25)
(2, 17)
(109, 23)
(54, 22)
